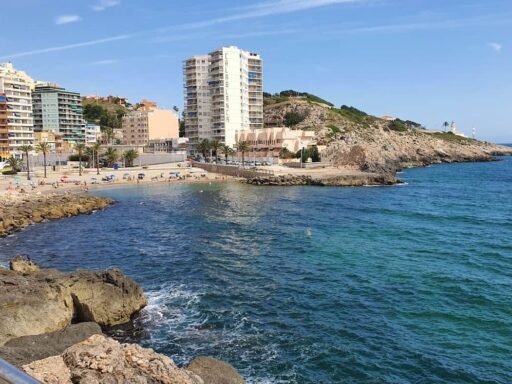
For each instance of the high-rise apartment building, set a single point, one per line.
(149, 123)
(16, 123)
(58, 110)
(223, 95)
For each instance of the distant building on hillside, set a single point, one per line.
(149, 123)
(453, 129)
(58, 110)
(109, 99)
(388, 118)
(223, 94)
(16, 119)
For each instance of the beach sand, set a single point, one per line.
(13, 187)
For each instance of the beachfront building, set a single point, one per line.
(58, 110)
(149, 123)
(265, 144)
(168, 145)
(16, 120)
(54, 139)
(92, 133)
(223, 95)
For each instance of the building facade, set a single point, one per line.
(266, 144)
(92, 133)
(16, 119)
(59, 110)
(149, 123)
(223, 95)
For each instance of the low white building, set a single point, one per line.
(92, 133)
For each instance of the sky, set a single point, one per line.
(428, 61)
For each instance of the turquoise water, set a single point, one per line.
(405, 284)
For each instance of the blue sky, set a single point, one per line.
(424, 60)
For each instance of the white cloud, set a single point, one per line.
(104, 4)
(496, 46)
(66, 19)
(65, 47)
(104, 62)
(267, 8)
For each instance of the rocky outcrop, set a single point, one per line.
(345, 180)
(355, 140)
(16, 214)
(26, 349)
(214, 371)
(103, 360)
(37, 301)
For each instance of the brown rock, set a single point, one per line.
(103, 360)
(22, 264)
(214, 371)
(47, 300)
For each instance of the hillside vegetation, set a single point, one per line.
(103, 113)
(352, 138)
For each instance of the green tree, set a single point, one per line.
(214, 146)
(80, 148)
(43, 147)
(96, 147)
(26, 149)
(204, 147)
(293, 118)
(111, 155)
(129, 156)
(226, 150)
(14, 164)
(243, 146)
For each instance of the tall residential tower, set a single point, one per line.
(58, 110)
(223, 95)
(16, 123)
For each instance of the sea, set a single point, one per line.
(401, 284)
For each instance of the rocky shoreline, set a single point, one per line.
(362, 179)
(20, 211)
(51, 327)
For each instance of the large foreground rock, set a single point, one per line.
(26, 349)
(214, 371)
(36, 301)
(103, 360)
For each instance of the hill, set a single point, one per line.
(104, 113)
(352, 138)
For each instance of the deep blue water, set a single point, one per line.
(405, 284)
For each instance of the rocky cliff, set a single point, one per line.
(354, 139)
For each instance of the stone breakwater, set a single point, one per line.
(22, 211)
(50, 327)
(360, 179)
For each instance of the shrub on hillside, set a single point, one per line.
(293, 118)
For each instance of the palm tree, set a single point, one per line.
(89, 152)
(243, 146)
(111, 155)
(214, 146)
(80, 148)
(204, 147)
(446, 125)
(109, 132)
(96, 154)
(14, 164)
(26, 148)
(45, 148)
(129, 156)
(226, 150)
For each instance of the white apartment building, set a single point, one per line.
(223, 95)
(16, 120)
(92, 133)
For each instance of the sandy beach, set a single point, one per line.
(68, 180)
